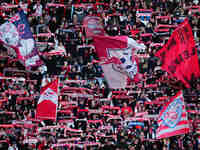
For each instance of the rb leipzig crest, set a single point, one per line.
(172, 115)
(126, 64)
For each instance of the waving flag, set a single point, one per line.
(173, 118)
(117, 57)
(179, 55)
(16, 34)
(48, 101)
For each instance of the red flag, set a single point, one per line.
(179, 55)
(118, 61)
(173, 118)
(48, 101)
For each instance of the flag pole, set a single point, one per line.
(58, 78)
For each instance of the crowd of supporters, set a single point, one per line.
(90, 115)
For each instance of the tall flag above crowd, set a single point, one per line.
(48, 102)
(179, 55)
(117, 59)
(16, 34)
(173, 118)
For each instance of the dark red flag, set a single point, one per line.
(179, 55)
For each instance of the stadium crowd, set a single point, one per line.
(90, 115)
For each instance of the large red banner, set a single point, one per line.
(179, 55)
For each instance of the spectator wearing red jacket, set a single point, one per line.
(126, 110)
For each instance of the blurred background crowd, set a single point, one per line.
(90, 115)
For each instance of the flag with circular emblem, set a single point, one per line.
(173, 118)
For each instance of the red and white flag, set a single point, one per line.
(48, 101)
(118, 60)
(173, 120)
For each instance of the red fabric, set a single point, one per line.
(67, 68)
(29, 2)
(179, 54)
(17, 1)
(62, 1)
(41, 146)
(83, 110)
(48, 101)
(126, 110)
(134, 32)
(138, 127)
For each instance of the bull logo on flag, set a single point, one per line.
(172, 115)
(118, 59)
(11, 38)
(49, 94)
(11, 35)
(123, 61)
(48, 101)
(16, 33)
